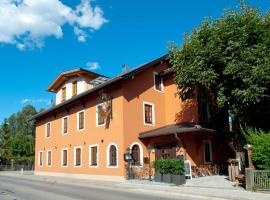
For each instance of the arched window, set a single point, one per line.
(112, 155)
(136, 155)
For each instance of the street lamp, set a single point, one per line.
(149, 149)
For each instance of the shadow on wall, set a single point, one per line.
(187, 113)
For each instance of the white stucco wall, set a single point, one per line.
(82, 86)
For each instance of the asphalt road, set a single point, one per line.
(13, 188)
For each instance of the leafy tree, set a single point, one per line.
(228, 60)
(4, 140)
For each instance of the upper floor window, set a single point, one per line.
(48, 130)
(64, 162)
(205, 114)
(93, 155)
(49, 158)
(100, 115)
(208, 152)
(112, 156)
(74, 88)
(64, 94)
(64, 125)
(148, 111)
(77, 156)
(158, 82)
(80, 120)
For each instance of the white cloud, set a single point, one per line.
(35, 101)
(93, 65)
(26, 23)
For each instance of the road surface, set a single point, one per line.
(15, 188)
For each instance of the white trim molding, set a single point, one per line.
(74, 155)
(108, 155)
(153, 113)
(90, 155)
(63, 118)
(47, 158)
(78, 120)
(62, 160)
(162, 84)
(141, 151)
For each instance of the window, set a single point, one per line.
(40, 158)
(64, 158)
(93, 155)
(64, 125)
(136, 155)
(64, 94)
(77, 156)
(205, 115)
(208, 152)
(100, 120)
(148, 113)
(80, 120)
(74, 88)
(48, 130)
(49, 158)
(158, 82)
(112, 156)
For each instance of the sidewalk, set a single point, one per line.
(214, 187)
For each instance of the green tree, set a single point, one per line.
(4, 140)
(228, 59)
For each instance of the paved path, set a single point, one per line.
(15, 188)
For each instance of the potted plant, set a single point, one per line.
(178, 176)
(158, 170)
(167, 171)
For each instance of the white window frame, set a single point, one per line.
(98, 125)
(153, 113)
(141, 151)
(210, 149)
(74, 155)
(66, 117)
(47, 128)
(108, 156)
(47, 158)
(40, 164)
(90, 156)
(78, 120)
(62, 157)
(162, 84)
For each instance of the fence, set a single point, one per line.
(16, 167)
(257, 179)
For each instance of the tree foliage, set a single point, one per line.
(261, 147)
(17, 134)
(229, 58)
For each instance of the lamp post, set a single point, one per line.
(149, 149)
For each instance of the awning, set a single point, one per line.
(173, 128)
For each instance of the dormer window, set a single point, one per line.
(64, 94)
(74, 88)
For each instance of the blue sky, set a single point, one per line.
(132, 32)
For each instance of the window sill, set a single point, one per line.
(112, 166)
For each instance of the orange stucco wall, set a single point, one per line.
(125, 126)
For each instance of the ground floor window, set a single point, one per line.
(208, 152)
(93, 155)
(112, 155)
(49, 158)
(40, 158)
(64, 157)
(77, 156)
(136, 155)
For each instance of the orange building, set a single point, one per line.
(96, 120)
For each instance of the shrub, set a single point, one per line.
(169, 166)
(261, 147)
